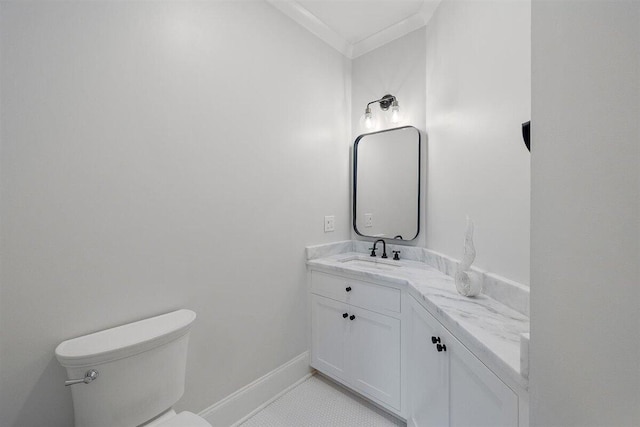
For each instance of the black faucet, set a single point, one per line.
(384, 248)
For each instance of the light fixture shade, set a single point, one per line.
(395, 112)
(368, 119)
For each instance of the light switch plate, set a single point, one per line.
(329, 223)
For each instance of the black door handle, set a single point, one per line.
(348, 289)
(526, 134)
(344, 315)
(435, 340)
(441, 347)
(352, 317)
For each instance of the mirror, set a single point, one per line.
(386, 184)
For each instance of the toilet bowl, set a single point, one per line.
(131, 375)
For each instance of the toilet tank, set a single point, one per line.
(141, 368)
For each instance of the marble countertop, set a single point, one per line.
(490, 329)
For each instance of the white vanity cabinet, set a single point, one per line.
(329, 326)
(447, 384)
(356, 336)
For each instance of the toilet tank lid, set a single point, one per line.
(124, 341)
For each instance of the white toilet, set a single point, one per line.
(131, 375)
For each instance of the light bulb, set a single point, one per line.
(368, 119)
(395, 112)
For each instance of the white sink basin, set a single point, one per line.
(370, 262)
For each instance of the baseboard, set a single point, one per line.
(268, 402)
(242, 404)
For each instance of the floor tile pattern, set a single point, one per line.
(318, 402)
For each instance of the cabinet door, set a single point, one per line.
(477, 396)
(374, 361)
(328, 335)
(428, 373)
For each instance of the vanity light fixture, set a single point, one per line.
(385, 102)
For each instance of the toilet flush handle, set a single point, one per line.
(89, 376)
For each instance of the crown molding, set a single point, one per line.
(308, 20)
(387, 35)
(313, 24)
(428, 9)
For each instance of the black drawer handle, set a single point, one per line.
(352, 317)
(435, 340)
(348, 289)
(345, 315)
(441, 347)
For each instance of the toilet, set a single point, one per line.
(131, 375)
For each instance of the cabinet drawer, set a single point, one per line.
(362, 294)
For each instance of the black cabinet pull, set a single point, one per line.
(352, 317)
(344, 315)
(435, 340)
(348, 289)
(441, 347)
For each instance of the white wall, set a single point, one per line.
(160, 155)
(468, 74)
(396, 68)
(477, 96)
(585, 210)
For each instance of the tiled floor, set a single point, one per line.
(318, 402)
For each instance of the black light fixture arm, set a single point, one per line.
(385, 102)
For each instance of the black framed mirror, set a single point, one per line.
(386, 184)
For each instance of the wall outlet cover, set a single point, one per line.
(368, 220)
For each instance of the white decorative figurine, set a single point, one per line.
(468, 283)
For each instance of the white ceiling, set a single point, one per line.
(355, 27)
(357, 20)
